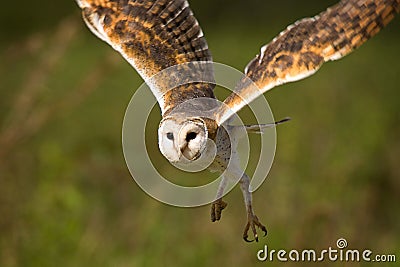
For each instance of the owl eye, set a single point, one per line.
(190, 136)
(170, 136)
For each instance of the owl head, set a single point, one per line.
(181, 138)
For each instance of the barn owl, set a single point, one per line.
(153, 35)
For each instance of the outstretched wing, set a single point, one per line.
(303, 47)
(152, 35)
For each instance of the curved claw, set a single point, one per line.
(216, 209)
(252, 223)
(265, 231)
(248, 241)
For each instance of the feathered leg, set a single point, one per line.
(252, 220)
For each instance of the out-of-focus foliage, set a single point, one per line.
(67, 199)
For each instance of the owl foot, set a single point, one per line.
(216, 209)
(252, 221)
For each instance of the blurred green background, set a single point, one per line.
(66, 196)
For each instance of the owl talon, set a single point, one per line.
(248, 241)
(216, 209)
(253, 222)
(264, 230)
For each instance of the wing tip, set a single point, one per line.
(83, 3)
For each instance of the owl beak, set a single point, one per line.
(187, 155)
(190, 157)
(182, 150)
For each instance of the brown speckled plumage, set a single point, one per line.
(303, 47)
(152, 36)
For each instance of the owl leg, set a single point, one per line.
(252, 220)
(218, 205)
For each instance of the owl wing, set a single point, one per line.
(303, 47)
(153, 35)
